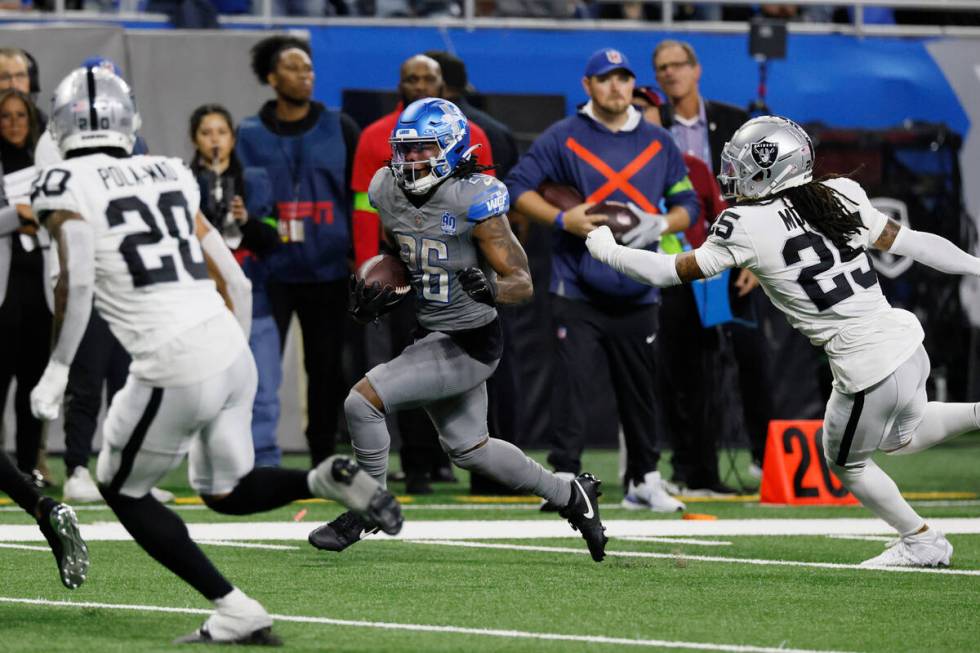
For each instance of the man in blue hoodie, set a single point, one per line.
(607, 152)
(306, 150)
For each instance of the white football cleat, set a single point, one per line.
(238, 619)
(80, 488)
(927, 549)
(651, 494)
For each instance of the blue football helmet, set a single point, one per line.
(429, 124)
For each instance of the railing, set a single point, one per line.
(128, 10)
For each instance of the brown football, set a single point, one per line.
(621, 217)
(560, 195)
(386, 270)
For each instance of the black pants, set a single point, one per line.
(100, 359)
(321, 308)
(625, 337)
(686, 348)
(25, 331)
(754, 382)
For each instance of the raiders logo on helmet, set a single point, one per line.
(764, 153)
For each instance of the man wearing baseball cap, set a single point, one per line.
(606, 151)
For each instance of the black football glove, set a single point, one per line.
(476, 284)
(368, 303)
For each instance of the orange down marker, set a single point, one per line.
(795, 471)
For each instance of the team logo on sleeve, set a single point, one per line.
(764, 153)
(448, 224)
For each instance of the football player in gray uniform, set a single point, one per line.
(450, 225)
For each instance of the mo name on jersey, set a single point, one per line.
(436, 241)
(151, 282)
(829, 293)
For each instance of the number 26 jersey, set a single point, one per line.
(829, 294)
(151, 279)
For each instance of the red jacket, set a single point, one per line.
(709, 197)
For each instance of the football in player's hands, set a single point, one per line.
(385, 270)
(478, 286)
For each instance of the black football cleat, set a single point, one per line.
(60, 527)
(341, 479)
(582, 512)
(260, 637)
(340, 533)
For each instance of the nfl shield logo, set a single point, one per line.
(764, 153)
(449, 224)
(614, 57)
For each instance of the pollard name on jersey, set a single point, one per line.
(829, 294)
(436, 242)
(152, 283)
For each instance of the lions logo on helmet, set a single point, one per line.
(93, 108)
(430, 139)
(766, 155)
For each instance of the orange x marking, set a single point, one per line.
(617, 180)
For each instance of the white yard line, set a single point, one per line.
(676, 540)
(426, 628)
(673, 556)
(250, 545)
(476, 529)
(869, 538)
(25, 547)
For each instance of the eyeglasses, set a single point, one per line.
(671, 65)
(6, 78)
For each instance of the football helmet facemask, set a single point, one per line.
(434, 126)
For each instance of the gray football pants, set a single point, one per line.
(436, 374)
(893, 416)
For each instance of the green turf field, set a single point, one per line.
(734, 592)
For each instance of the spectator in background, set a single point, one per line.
(701, 128)
(599, 313)
(239, 206)
(456, 87)
(306, 151)
(25, 319)
(419, 77)
(688, 346)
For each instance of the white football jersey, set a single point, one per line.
(829, 294)
(151, 279)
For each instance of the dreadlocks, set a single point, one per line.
(470, 167)
(822, 207)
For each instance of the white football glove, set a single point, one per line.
(601, 243)
(648, 231)
(47, 395)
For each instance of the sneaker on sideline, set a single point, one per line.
(80, 488)
(651, 494)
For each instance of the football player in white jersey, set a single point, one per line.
(128, 232)
(807, 242)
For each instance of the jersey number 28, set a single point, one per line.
(179, 222)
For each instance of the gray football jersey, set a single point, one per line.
(436, 242)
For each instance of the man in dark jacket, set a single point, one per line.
(606, 151)
(306, 150)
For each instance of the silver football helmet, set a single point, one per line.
(766, 155)
(93, 107)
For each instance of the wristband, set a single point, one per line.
(560, 220)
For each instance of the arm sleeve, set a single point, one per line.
(647, 267)
(934, 251)
(237, 285)
(77, 241)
